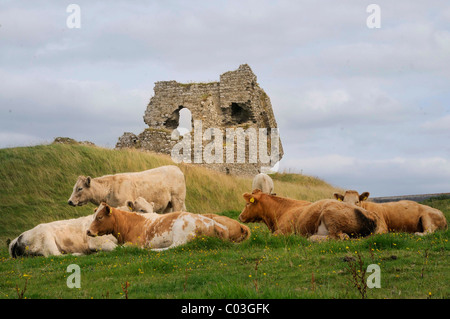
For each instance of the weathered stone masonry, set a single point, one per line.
(235, 101)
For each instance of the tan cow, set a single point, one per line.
(401, 216)
(157, 233)
(164, 186)
(323, 219)
(140, 205)
(60, 237)
(263, 182)
(237, 231)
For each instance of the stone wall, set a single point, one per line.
(236, 101)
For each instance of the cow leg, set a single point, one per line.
(343, 236)
(50, 247)
(426, 225)
(100, 243)
(322, 233)
(335, 233)
(318, 238)
(162, 249)
(221, 231)
(168, 209)
(178, 204)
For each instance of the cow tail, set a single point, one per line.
(16, 247)
(318, 222)
(246, 233)
(420, 227)
(366, 224)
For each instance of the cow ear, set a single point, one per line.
(338, 196)
(130, 205)
(364, 196)
(247, 196)
(95, 209)
(108, 210)
(88, 181)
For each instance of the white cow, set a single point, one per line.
(60, 237)
(263, 182)
(164, 186)
(69, 236)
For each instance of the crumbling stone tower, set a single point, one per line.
(236, 101)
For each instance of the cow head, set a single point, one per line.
(103, 223)
(352, 197)
(252, 209)
(82, 192)
(140, 205)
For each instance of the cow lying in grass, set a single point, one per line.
(60, 237)
(401, 216)
(159, 232)
(140, 205)
(236, 231)
(65, 237)
(319, 220)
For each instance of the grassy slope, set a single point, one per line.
(36, 182)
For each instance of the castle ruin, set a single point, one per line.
(235, 102)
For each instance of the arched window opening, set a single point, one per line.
(185, 121)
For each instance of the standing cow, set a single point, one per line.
(263, 182)
(164, 186)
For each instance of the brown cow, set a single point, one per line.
(159, 232)
(324, 218)
(401, 216)
(237, 232)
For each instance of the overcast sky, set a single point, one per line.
(365, 109)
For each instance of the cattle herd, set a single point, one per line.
(148, 209)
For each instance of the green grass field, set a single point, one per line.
(35, 183)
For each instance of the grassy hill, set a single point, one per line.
(35, 183)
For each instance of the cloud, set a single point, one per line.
(349, 101)
(440, 125)
(9, 139)
(351, 106)
(411, 175)
(85, 110)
